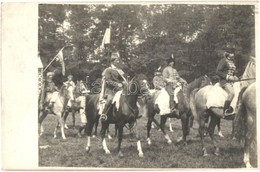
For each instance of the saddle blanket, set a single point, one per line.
(116, 99)
(163, 100)
(217, 96)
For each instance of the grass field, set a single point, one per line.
(71, 152)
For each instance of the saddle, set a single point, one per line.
(216, 96)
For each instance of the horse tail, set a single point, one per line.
(239, 123)
(193, 109)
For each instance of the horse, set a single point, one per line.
(184, 108)
(245, 120)
(79, 93)
(202, 112)
(65, 93)
(125, 113)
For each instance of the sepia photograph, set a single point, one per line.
(142, 86)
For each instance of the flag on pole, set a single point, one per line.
(106, 38)
(59, 57)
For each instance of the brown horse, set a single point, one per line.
(65, 93)
(203, 113)
(184, 108)
(126, 113)
(245, 121)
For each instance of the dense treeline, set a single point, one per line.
(146, 35)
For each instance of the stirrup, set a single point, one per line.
(103, 117)
(229, 115)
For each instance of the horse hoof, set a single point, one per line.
(120, 154)
(79, 135)
(141, 155)
(87, 149)
(171, 131)
(149, 141)
(64, 138)
(66, 127)
(169, 142)
(205, 155)
(109, 137)
(54, 137)
(217, 152)
(94, 136)
(179, 140)
(108, 152)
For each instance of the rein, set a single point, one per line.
(245, 79)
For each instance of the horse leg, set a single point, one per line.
(185, 128)
(108, 134)
(120, 138)
(103, 134)
(219, 129)
(214, 120)
(116, 129)
(61, 126)
(55, 130)
(42, 115)
(170, 125)
(89, 127)
(65, 118)
(202, 134)
(139, 146)
(149, 123)
(191, 121)
(73, 119)
(162, 126)
(96, 126)
(250, 134)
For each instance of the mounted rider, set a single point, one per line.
(172, 80)
(158, 80)
(71, 82)
(49, 89)
(112, 81)
(226, 71)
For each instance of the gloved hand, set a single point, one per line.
(231, 78)
(236, 78)
(120, 85)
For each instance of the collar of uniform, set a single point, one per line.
(113, 66)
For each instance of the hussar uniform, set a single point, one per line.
(112, 79)
(172, 80)
(226, 70)
(158, 80)
(50, 89)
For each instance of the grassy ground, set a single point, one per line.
(71, 152)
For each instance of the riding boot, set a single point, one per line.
(226, 111)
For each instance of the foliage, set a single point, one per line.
(147, 35)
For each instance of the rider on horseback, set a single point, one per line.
(71, 82)
(50, 88)
(172, 80)
(158, 80)
(226, 71)
(112, 81)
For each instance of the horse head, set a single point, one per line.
(205, 80)
(138, 85)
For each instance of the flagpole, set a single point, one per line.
(52, 60)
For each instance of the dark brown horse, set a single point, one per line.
(245, 121)
(126, 113)
(203, 113)
(184, 108)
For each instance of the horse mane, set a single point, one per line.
(239, 128)
(248, 73)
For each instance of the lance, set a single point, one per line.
(245, 79)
